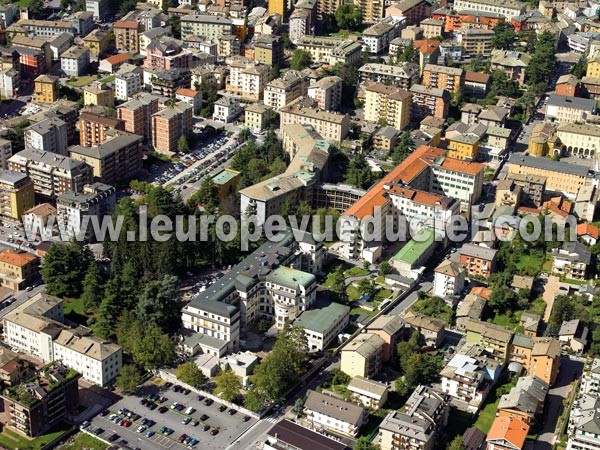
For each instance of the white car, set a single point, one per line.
(141, 429)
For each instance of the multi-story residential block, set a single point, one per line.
(66, 113)
(49, 135)
(448, 279)
(256, 117)
(332, 126)
(117, 158)
(468, 377)
(331, 50)
(327, 7)
(571, 260)
(32, 62)
(98, 94)
(247, 78)
(512, 63)
(127, 36)
(362, 356)
(5, 153)
(52, 174)
(385, 139)
(506, 8)
(372, 10)
(418, 426)
(327, 92)
(41, 28)
(98, 41)
(507, 433)
(414, 10)
(539, 356)
(579, 139)
(476, 42)
(33, 407)
(450, 79)
(127, 84)
(18, 270)
(209, 26)
(561, 109)
(137, 114)
(567, 178)
(272, 290)
(20, 42)
(432, 329)
(493, 337)
(301, 24)
(388, 103)
(17, 194)
(390, 329)
(590, 380)
(83, 22)
(228, 45)
(227, 109)
(332, 413)
(402, 76)
(165, 53)
(8, 14)
(478, 260)
(285, 89)
(525, 401)
(428, 102)
(323, 323)
(37, 328)
(191, 97)
(286, 434)
(476, 84)
(369, 393)
(268, 49)
(59, 44)
(309, 153)
(10, 81)
(75, 61)
(432, 28)
(99, 8)
(168, 125)
(96, 199)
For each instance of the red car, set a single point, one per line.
(182, 438)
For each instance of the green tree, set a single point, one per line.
(348, 16)
(363, 443)
(339, 378)
(190, 374)
(543, 61)
(504, 37)
(65, 266)
(109, 310)
(359, 173)
(158, 304)
(207, 195)
(228, 385)
(301, 59)
(385, 268)
(338, 285)
(404, 147)
(182, 144)
(153, 349)
(92, 288)
(366, 287)
(129, 379)
(408, 54)
(579, 69)
(456, 444)
(501, 85)
(501, 299)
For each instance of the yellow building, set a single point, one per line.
(16, 194)
(542, 139)
(463, 146)
(388, 103)
(579, 139)
(488, 335)
(593, 68)
(98, 94)
(278, 7)
(98, 41)
(362, 356)
(560, 176)
(17, 270)
(46, 89)
(256, 116)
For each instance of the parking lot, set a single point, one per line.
(216, 431)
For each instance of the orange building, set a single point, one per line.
(93, 128)
(17, 269)
(507, 433)
(127, 34)
(539, 356)
(137, 113)
(568, 85)
(442, 77)
(168, 125)
(455, 21)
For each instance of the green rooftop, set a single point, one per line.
(322, 317)
(291, 278)
(414, 249)
(225, 176)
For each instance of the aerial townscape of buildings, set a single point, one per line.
(430, 170)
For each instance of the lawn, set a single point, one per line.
(458, 422)
(84, 441)
(508, 321)
(74, 311)
(362, 311)
(11, 440)
(488, 414)
(356, 272)
(538, 306)
(108, 79)
(82, 81)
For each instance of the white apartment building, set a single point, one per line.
(37, 328)
(99, 362)
(590, 382)
(327, 92)
(127, 84)
(584, 420)
(323, 323)
(331, 50)
(462, 181)
(563, 109)
(10, 80)
(448, 279)
(331, 413)
(48, 135)
(227, 109)
(369, 393)
(506, 8)
(377, 37)
(208, 26)
(300, 25)
(285, 89)
(96, 199)
(75, 61)
(247, 78)
(99, 8)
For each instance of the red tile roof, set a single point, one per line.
(587, 229)
(118, 58)
(509, 429)
(127, 24)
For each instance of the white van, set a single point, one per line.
(189, 411)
